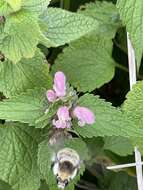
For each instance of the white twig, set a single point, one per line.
(132, 63)
(121, 166)
(139, 169)
(62, 4)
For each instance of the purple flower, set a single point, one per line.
(84, 115)
(51, 95)
(64, 120)
(60, 84)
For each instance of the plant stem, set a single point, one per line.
(121, 67)
(65, 4)
(126, 70)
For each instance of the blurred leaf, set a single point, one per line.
(118, 181)
(119, 145)
(4, 186)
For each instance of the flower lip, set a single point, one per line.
(60, 84)
(51, 95)
(64, 119)
(84, 115)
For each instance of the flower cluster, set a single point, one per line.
(65, 114)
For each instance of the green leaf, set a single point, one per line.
(106, 14)
(119, 145)
(110, 121)
(64, 26)
(131, 13)
(45, 154)
(14, 4)
(133, 105)
(8, 6)
(4, 186)
(84, 61)
(18, 163)
(37, 6)
(119, 181)
(27, 74)
(79, 146)
(23, 32)
(26, 107)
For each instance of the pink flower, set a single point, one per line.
(51, 95)
(84, 115)
(60, 84)
(64, 120)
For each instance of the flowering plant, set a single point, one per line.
(64, 83)
(66, 113)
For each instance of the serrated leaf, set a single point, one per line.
(106, 14)
(64, 26)
(45, 154)
(131, 13)
(23, 32)
(84, 61)
(110, 121)
(26, 107)
(119, 145)
(18, 163)
(37, 6)
(27, 74)
(8, 6)
(133, 105)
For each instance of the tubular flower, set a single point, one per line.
(84, 115)
(51, 95)
(60, 84)
(64, 119)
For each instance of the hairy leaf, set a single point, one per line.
(64, 26)
(106, 14)
(45, 155)
(119, 145)
(37, 6)
(110, 121)
(8, 6)
(4, 186)
(18, 164)
(133, 106)
(131, 13)
(84, 61)
(27, 74)
(26, 107)
(22, 31)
